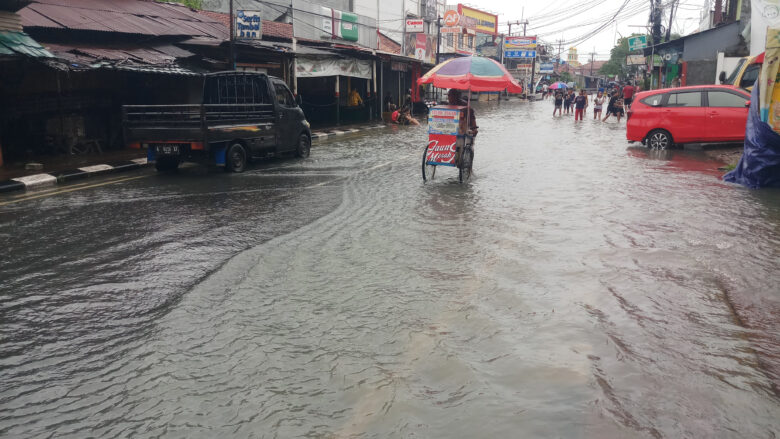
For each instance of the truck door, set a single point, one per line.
(286, 120)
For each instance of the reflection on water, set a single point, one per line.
(572, 288)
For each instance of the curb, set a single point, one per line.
(322, 135)
(45, 180)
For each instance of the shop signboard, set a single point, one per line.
(340, 24)
(546, 67)
(635, 60)
(430, 11)
(658, 61)
(636, 43)
(451, 18)
(483, 21)
(249, 25)
(443, 125)
(414, 25)
(520, 47)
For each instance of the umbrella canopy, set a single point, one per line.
(473, 73)
(557, 85)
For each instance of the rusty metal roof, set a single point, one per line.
(90, 55)
(121, 16)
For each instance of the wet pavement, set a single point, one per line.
(573, 288)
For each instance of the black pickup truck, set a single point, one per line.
(240, 116)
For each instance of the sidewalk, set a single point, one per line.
(59, 169)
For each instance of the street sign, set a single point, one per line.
(636, 43)
(546, 67)
(414, 25)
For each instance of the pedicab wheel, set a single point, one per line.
(428, 171)
(464, 170)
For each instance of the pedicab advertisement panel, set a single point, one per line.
(443, 125)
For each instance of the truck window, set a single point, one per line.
(750, 76)
(283, 95)
(733, 76)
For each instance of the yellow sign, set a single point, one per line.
(484, 22)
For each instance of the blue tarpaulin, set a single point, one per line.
(760, 162)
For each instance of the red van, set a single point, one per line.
(694, 114)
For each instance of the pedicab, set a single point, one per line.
(450, 136)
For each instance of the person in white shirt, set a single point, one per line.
(598, 102)
(544, 91)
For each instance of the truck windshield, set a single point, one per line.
(733, 76)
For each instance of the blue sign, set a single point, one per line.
(519, 54)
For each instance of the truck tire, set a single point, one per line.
(235, 158)
(304, 146)
(167, 164)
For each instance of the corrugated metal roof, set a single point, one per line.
(21, 43)
(122, 16)
(10, 21)
(159, 55)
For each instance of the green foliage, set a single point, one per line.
(617, 59)
(565, 77)
(192, 4)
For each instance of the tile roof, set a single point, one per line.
(273, 29)
(387, 44)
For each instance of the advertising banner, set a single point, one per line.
(443, 123)
(318, 67)
(520, 47)
(249, 25)
(635, 60)
(422, 47)
(546, 67)
(451, 18)
(483, 21)
(414, 25)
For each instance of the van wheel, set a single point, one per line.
(304, 147)
(167, 164)
(235, 159)
(659, 139)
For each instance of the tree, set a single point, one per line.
(616, 66)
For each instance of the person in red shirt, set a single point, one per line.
(628, 95)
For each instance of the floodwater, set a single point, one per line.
(574, 288)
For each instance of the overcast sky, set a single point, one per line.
(573, 20)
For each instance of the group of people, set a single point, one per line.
(400, 115)
(617, 100)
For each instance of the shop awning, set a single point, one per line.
(311, 67)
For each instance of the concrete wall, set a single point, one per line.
(706, 45)
(701, 72)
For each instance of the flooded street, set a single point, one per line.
(573, 288)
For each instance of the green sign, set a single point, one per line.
(657, 61)
(636, 43)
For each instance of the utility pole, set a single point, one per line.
(403, 36)
(232, 38)
(438, 38)
(671, 20)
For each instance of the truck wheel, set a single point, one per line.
(304, 147)
(167, 164)
(235, 159)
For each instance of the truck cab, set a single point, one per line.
(239, 116)
(745, 73)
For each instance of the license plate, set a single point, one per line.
(168, 148)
